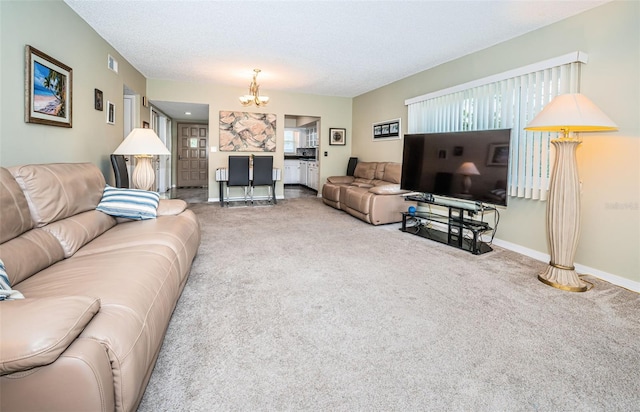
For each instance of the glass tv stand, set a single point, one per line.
(452, 229)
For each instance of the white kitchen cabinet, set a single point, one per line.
(291, 172)
(313, 175)
(312, 136)
(303, 172)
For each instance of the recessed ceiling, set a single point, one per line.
(333, 48)
(199, 113)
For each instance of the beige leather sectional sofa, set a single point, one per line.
(372, 194)
(99, 291)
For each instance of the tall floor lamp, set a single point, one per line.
(143, 144)
(566, 113)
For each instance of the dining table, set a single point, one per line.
(222, 176)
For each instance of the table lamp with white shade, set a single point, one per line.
(467, 169)
(567, 113)
(143, 144)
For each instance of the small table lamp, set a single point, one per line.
(467, 169)
(143, 144)
(565, 114)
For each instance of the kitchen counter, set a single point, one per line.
(297, 157)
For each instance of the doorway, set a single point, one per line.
(301, 155)
(129, 120)
(193, 156)
(161, 124)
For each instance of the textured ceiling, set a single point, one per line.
(334, 48)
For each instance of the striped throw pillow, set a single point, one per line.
(5, 287)
(129, 203)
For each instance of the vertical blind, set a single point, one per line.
(509, 102)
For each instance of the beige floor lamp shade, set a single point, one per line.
(143, 144)
(566, 114)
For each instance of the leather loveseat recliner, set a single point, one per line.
(98, 291)
(372, 194)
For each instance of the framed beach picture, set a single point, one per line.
(387, 130)
(48, 89)
(337, 137)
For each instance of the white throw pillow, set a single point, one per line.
(129, 203)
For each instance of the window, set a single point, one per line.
(292, 139)
(507, 100)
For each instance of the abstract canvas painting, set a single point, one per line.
(247, 132)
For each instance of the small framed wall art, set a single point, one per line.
(387, 130)
(337, 137)
(98, 102)
(48, 89)
(111, 113)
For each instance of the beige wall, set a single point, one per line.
(333, 111)
(53, 28)
(608, 162)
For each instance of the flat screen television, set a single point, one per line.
(470, 166)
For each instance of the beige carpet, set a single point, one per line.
(302, 307)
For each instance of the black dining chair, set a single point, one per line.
(120, 171)
(263, 175)
(351, 166)
(238, 174)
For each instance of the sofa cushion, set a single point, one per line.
(138, 288)
(358, 198)
(30, 339)
(129, 203)
(380, 167)
(392, 172)
(16, 218)
(171, 207)
(365, 170)
(387, 190)
(58, 190)
(366, 185)
(29, 253)
(340, 180)
(76, 231)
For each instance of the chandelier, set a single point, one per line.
(254, 93)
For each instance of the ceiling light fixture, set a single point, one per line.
(254, 93)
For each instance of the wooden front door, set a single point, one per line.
(193, 164)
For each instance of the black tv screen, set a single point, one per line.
(471, 166)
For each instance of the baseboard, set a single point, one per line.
(582, 269)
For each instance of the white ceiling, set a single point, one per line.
(333, 48)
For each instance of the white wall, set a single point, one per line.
(53, 28)
(609, 163)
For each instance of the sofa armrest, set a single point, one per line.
(340, 180)
(168, 207)
(36, 331)
(392, 189)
